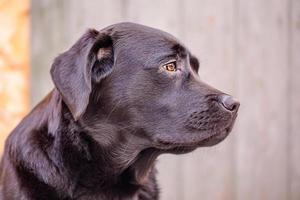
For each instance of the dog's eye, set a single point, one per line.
(171, 67)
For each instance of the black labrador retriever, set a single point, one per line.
(123, 96)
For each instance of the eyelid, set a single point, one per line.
(169, 61)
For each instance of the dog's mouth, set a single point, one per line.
(198, 138)
(185, 147)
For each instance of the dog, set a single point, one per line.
(123, 96)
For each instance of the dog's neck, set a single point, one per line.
(98, 156)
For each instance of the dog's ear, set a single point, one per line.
(89, 60)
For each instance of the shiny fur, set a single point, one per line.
(113, 110)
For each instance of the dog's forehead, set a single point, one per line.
(128, 27)
(138, 36)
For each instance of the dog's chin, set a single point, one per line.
(215, 138)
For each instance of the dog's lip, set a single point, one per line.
(220, 136)
(167, 145)
(209, 140)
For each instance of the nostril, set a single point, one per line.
(229, 103)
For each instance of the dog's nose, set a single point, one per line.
(229, 103)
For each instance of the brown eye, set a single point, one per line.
(171, 67)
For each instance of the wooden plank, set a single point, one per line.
(262, 86)
(294, 159)
(94, 14)
(209, 33)
(165, 15)
(14, 65)
(45, 45)
(56, 25)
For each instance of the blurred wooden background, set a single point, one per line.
(14, 64)
(248, 48)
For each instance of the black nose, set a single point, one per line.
(229, 103)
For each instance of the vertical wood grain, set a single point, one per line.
(294, 157)
(262, 86)
(47, 41)
(209, 33)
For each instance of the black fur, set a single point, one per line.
(114, 109)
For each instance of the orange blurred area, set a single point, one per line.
(14, 64)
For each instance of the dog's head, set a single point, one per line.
(136, 78)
